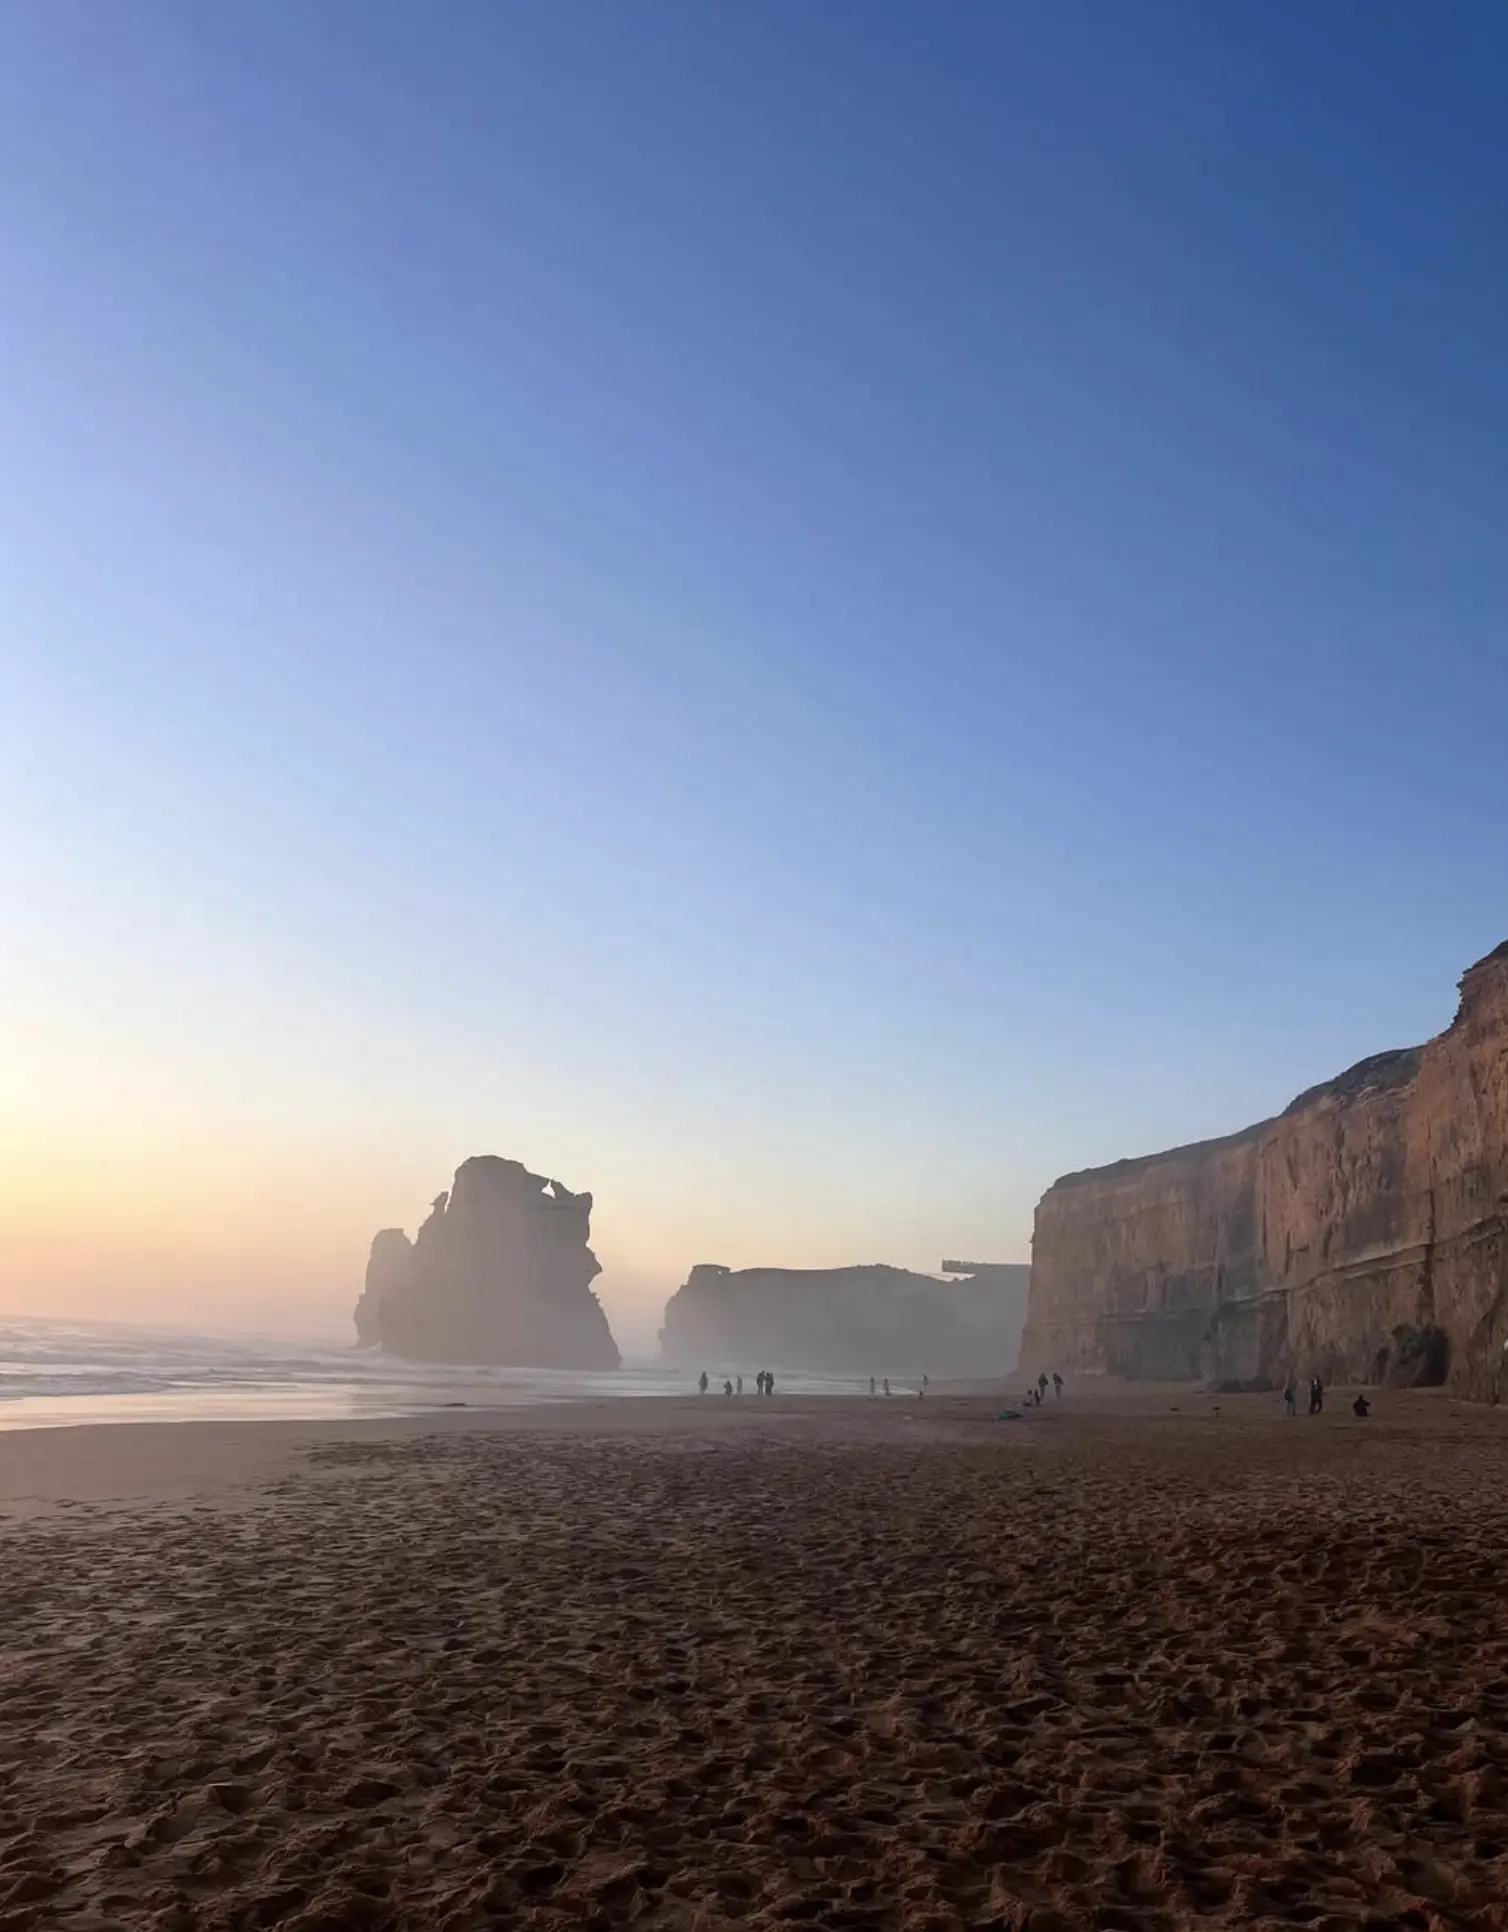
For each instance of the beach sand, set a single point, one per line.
(695, 1665)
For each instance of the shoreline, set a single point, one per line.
(47, 1465)
(121, 1464)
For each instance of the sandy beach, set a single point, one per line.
(1155, 1663)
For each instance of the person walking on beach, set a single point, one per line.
(740, 1385)
(1316, 1395)
(871, 1388)
(886, 1385)
(769, 1381)
(1290, 1398)
(702, 1384)
(1041, 1385)
(1057, 1385)
(727, 1388)
(925, 1385)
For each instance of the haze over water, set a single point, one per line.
(54, 1373)
(803, 617)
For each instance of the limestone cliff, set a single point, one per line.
(500, 1273)
(847, 1321)
(1361, 1235)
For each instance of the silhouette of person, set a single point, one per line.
(702, 1384)
(1361, 1406)
(887, 1385)
(1057, 1385)
(1041, 1385)
(740, 1385)
(727, 1388)
(1314, 1395)
(925, 1385)
(769, 1381)
(871, 1385)
(1290, 1398)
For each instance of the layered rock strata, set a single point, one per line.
(499, 1274)
(1362, 1235)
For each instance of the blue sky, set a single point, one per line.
(806, 616)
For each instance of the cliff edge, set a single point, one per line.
(868, 1320)
(500, 1274)
(1362, 1235)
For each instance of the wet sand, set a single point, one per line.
(691, 1665)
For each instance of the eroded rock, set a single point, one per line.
(1361, 1235)
(389, 1267)
(499, 1274)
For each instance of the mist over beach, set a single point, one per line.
(753, 984)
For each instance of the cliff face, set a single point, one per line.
(846, 1321)
(1362, 1235)
(500, 1273)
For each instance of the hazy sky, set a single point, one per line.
(802, 615)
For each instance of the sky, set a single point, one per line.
(805, 617)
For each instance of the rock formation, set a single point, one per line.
(1361, 1235)
(847, 1321)
(500, 1273)
(389, 1267)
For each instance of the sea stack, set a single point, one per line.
(1361, 1235)
(389, 1268)
(500, 1274)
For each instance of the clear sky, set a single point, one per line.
(804, 616)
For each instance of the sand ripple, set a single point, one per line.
(1134, 1674)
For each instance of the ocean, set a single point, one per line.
(55, 1373)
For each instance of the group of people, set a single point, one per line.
(764, 1382)
(1038, 1389)
(1316, 1396)
(1360, 1407)
(921, 1387)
